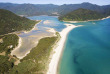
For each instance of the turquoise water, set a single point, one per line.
(53, 22)
(87, 49)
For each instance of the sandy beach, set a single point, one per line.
(105, 18)
(46, 22)
(58, 50)
(87, 20)
(51, 30)
(19, 45)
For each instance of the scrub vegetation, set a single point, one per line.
(38, 58)
(7, 43)
(35, 62)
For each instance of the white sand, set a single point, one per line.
(73, 21)
(52, 30)
(46, 22)
(19, 45)
(105, 18)
(58, 50)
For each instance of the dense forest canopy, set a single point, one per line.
(81, 15)
(10, 22)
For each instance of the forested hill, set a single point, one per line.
(10, 22)
(81, 15)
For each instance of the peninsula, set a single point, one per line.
(10, 22)
(58, 49)
(81, 15)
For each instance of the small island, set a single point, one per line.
(81, 15)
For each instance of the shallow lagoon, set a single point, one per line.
(30, 40)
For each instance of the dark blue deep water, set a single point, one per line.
(87, 49)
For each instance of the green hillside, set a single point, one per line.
(81, 15)
(10, 22)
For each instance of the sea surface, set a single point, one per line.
(87, 49)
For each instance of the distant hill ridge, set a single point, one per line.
(50, 9)
(81, 15)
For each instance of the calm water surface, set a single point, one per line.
(87, 49)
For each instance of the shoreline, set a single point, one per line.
(20, 41)
(18, 46)
(53, 65)
(87, 20)
(33, 27)
(33, 47)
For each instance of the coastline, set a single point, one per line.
(20, 41)
(18, 46)
(33, 27)
(87, 20)
(53, 65)
(33, 47)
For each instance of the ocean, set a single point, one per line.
(87, 49)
